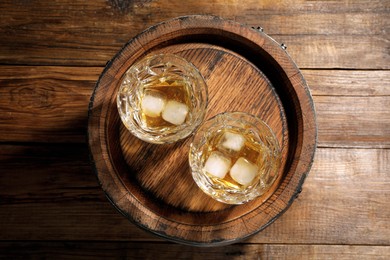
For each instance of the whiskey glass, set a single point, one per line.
(162, 98)
(234, 157)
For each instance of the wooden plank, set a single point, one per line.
(348, 82)
(57, 196)
(308, 51)
(322, 23)
(342, 51)
(114, 250)
(353, 121)
(355, 17)
(50, 104)
(288, 6)
(85, 33)
(50, 193)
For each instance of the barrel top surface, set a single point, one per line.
(245, 70)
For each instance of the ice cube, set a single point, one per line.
(243, 171)
(152, 105)
(232, 141)
(175, 112)
(217, 165)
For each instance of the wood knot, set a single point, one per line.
(32, 97)
(126, 6)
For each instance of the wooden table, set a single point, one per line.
(51, 55)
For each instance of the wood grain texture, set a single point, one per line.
(367, 119)
(80, 33)
(173, 159)
(56, 98)
(51, 205)
(339, 52)
(61, 200)
(126, 250)
(46, 104)
(54, 187)
(361, 172)
(353, 83)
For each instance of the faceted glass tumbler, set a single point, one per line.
(234, 157)
(162, 98)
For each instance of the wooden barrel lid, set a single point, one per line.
(245, 70)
